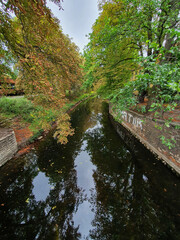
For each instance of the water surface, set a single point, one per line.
(94, 187)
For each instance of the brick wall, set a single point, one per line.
(148, 132)
(8, 145)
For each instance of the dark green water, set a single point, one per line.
(92, 188)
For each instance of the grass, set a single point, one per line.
(16, 107)
(36, 116)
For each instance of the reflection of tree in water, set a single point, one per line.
(25, 218)
(15, 213)
(22, 216)
(124, 204)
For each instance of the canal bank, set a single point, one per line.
(160, 138)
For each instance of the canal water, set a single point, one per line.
(94, 187)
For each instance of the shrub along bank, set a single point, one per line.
(21, 112)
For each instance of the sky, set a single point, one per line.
(76, 19)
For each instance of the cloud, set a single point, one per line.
(77, 19)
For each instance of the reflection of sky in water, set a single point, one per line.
(84, 167)
(98, 125)
(41, 187)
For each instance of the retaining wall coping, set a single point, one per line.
(8, 145)
(5, 132)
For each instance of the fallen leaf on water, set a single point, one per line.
(27, 200)
(53, 207)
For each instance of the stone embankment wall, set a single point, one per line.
(8, 145)
(149, 132)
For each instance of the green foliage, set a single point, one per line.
(88, 68)
(17, 107)
(158, 126)
(42, 118)
(161, 81)
(36, 134)
(37, 116)
(109, 56)
(123, 33)
(141, 109)
(123, 98)
(170, 143)
(5, 120)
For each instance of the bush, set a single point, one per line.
(17, 106)
(37, 116)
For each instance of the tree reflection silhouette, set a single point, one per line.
(131, 199)
(22, 216)
(123, 202)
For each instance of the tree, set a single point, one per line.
(137, 40)
(48, 62)
(112, 53)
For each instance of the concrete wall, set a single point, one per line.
(8, 145)
(148, 132)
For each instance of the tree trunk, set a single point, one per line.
(142, 96)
